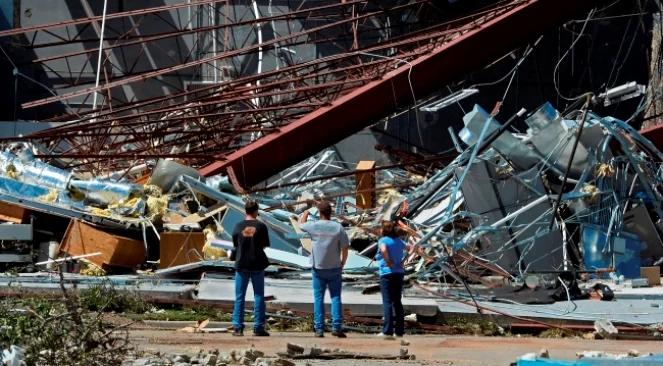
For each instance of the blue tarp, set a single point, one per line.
(656, 359)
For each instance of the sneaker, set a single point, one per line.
(385, 336)
(339, 334)
(260, 333)
(238, 333)
(319, 333)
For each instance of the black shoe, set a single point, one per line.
(319, 333)
(260, 333)
(238, 333)
(339, 334)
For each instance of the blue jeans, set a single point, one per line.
(241, 283)
(323, 278)
(391, 287)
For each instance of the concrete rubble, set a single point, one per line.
(248, 357)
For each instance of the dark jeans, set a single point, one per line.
(242, 279)
(391, 286)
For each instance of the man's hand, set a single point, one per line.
(344, 256)
(304, 217)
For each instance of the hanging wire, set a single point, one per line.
(555, 71)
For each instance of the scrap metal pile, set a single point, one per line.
(575, 192)
(549, 201)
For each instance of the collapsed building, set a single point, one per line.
(543, 206)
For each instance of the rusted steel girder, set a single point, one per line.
(369, 103)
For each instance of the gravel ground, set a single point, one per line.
(429, 350)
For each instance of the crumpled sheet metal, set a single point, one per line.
(553, 138)
(614, 169)
(506, 144)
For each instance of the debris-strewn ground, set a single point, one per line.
(429, 350)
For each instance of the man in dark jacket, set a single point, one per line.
(250, 238)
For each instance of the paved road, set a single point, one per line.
(429, 350)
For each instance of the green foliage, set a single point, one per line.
(106, 298)
(60, 333)
(482, 326)
(555, 333)
(304, 324)
(186, 313)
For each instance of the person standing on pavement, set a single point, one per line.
(391, 251)
(250, 238)
(329, 253)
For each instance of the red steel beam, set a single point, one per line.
(367, 104)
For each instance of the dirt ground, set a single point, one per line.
(429, 350)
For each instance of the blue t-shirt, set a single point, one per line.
(396, 250)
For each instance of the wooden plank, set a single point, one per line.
(13, 213)
(81, 238)
(365, 194)
(652, 274)
(177, 248)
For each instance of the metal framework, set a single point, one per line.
(365, 60)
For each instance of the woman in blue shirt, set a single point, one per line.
(391, 251)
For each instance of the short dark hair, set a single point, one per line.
(389, 229)
(324, 208)
(251, 207)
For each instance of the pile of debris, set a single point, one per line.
(249, 357)
(559, 210)
(254, 357)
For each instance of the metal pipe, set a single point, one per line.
(525, 208)
(101, 48)
(212, 18)
(571, 157)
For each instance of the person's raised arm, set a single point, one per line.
(304, 217)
